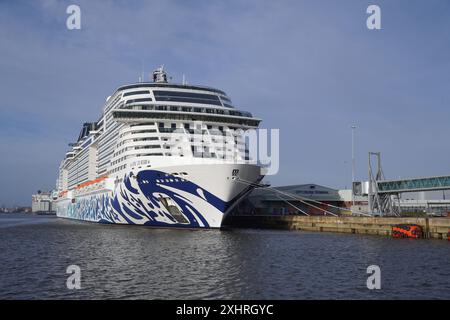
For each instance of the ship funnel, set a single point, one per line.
(159, 75)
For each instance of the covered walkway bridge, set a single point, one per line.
(414, 185)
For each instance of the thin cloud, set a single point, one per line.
(309, 68)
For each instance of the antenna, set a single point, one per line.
(184, 80)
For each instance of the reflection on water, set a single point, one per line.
(142, 263)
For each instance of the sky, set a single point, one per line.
(309, 68)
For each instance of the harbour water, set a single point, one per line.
(128, 262)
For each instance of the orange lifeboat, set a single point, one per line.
(407, 231)
(88, 183)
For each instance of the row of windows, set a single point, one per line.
(192, 109)
(153, 146)
(109, 135)
(140, 124)
(168, 180)
(78, 166)
(194, 125)
(145, 139)
(149, 154)
(121, 143)
(205, 152)
(132, 93)
(118, 160)
(139, 100)
(104, 159)
(144, 131)
(124, 134)
(119, 152)
(118, 168)
(122, 114)
(189, 97)
(78, 179)
(165, 85)
(77, 163)
(80, 152)
(106, 145)
(78, 169)
(219, 131)
(78, 173)
(167, 130)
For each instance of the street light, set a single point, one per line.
(353, 162)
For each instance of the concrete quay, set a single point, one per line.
(436, 228)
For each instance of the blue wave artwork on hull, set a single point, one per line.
(140, 200)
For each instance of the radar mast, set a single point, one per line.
(159, 75)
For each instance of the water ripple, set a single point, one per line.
(125, 262)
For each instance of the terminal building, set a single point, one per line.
(311, 199)
(314, 199)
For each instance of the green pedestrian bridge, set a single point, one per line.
(414, 185)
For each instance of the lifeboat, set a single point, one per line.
(91, 182)
(407, 231)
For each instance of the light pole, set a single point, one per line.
(353, 162)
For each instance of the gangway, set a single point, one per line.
(384, 195)
(414, 185)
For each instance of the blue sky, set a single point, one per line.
(310, 68)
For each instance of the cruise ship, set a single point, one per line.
(162, 155)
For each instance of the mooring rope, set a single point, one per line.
(302, 199)
(292, 205)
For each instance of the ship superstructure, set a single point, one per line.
(161, 154)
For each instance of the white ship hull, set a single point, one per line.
(184, 196)
(162, 155)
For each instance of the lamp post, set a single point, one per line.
(353, 162)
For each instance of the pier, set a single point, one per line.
(436, 228)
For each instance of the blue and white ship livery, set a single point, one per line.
(161, 154)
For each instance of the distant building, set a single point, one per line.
(313, 199)
(42, 202)
(15, 210)
(429, 206)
